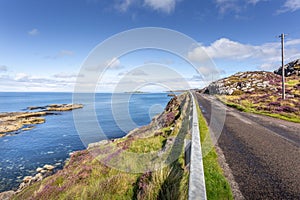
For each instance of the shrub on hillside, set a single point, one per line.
(237, 92)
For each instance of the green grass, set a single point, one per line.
(217, 187)
(146, 145)
(248, 106)
(236, 106)
(292, 82)
(283, 116)
(168, 183)
(89, 180)
(291, 118)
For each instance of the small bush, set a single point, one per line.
(288, 109)
(237, 92)
(276, 103)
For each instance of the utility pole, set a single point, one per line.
(282, 65)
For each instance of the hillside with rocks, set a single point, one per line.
(292, 68)
(260, 92)
(245, 82)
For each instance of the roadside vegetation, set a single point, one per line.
(269, 102)
(85, 177)
(217, 186)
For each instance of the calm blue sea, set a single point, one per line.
(51, 142)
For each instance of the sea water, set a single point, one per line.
(53, 141)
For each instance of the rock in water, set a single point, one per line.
(27, 179)
(48, 167)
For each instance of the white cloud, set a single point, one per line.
(166, 6)
(290, 6)
(21, 77)
(65, 75)
(254, 1)
(225, 49)
(235, 6)
(227, 5)
(3, 68)
(292, 42)
(33, 32)
(27, 82)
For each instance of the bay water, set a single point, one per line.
(53, 141)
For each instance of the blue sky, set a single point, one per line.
(44, 43)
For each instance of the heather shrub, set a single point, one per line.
(276, 103)
(237, 92)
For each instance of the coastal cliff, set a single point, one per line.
(86, 176)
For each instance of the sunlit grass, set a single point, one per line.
(146, 145)
(248, 106)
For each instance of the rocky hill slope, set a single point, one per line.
(259, 92)
(292, 68)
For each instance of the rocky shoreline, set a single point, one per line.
(42, 172)
(15, 122)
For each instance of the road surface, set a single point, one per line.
(262, 152)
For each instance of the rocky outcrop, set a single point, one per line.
(244, 82)
(290, 68)
(23, 121)
(43, 172)
(57, 107)
(15, 121)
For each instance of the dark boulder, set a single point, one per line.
(290, 68)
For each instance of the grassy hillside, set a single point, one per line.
(260, 92)
(87, 176)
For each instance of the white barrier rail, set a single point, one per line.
(197, 189)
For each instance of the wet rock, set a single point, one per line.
(37, 177)
(28, 128)
(48, 167)
(42, 173)
(64, 107)
(27, 179)
(39, 169)
(36, 107)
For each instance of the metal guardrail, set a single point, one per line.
(197, 189)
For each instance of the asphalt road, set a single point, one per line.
(262, 152)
